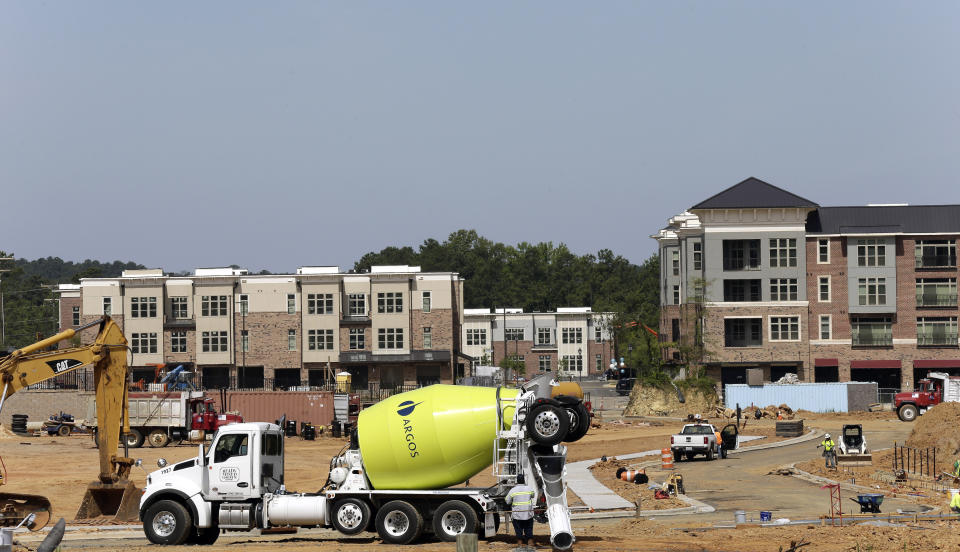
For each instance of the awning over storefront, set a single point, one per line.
(826, 362)
(875, 364)
(942, 363)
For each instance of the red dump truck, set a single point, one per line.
(932, 390)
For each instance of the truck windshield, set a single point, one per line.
(697, 430)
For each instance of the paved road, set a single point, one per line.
(740, 481)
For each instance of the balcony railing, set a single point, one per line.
(937, 300)
(876, 337)
(937, 261)
(948, 340)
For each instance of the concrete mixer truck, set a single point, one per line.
(396, 475)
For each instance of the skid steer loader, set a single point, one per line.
(853, 447)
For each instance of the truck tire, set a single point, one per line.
(908, 412)
(709, 453)
(677, 456)
(63, 431)
(134, 438)
(158, 438)
(204, 537)
(350, 516)
(167, 522)
(579, 422)
(452, 518)
(398, 522)
(96, 438)
(548, 424)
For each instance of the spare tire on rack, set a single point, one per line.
(548, 424)
(579, 422)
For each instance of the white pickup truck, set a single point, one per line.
(701, 438)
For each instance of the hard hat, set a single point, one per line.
(827, 436)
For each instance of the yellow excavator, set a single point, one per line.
(113, 494)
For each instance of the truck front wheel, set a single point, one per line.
(351, 516)
(908, 412)
(167, 522)
(452, 518)
(398, 522)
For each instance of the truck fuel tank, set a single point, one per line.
(432, 437)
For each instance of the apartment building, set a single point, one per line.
(394, 325)
(572, 341)
(774, 281)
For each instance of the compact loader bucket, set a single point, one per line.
(853, 460)
(121, 501)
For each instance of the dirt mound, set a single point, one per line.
(938, 427)
(5, 433)
(652, 401)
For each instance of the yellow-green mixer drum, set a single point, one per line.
(433, 437)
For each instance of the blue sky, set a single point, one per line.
(276, 135)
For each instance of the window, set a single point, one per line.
(784, 328)
(76, 316)
(178, 307)
(244, 304)
(213, 342)
(427, 301)
(574, 363)
(676, 295)
(178, 342)
(937, 331)
(244, 341)
(871, 253)
(823, 251)
(477, 337)
(675, 256)
(513, 334)
(783, 289)
(742, 332)
(390, 338)
(357, 339)
(107, 306)
(871, 331)
(937, 292)
(213, 305)
(428, 338)
(543, 336)
(783, 252)
(872, 291)
(319, 303)
(826, 326)
(544, 363)
(675, 330)
(389, 302)
(356, 304)
(599, 362)
(823, 288)
(143, 307)
(291, 303)
(936, 253)
(598, 334)
(271, 445)
(143, 343)
(320, 340)
(571, 335)
(741, 254)
(697, 256)
(291, 340)
(229, 446)
(741, 290)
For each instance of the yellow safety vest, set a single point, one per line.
(955, 501)
(828, 444)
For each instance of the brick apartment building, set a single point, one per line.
(540, 339)
(778, 282)
(392, 326)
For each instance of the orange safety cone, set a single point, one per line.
(666, 459)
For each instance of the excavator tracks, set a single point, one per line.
(15, 507)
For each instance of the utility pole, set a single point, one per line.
(3, 318)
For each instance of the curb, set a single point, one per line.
(696, 507)
(816, 479)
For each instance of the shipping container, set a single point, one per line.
(848, 396)
(315, 407)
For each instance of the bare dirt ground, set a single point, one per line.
(60, 469)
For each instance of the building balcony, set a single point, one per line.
(367, 357)
(936, 262)
(355, 321)
(179, 324)
(947, 340)
(544, 347)
(872, 340)
(942, 300)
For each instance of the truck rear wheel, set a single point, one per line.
(452, 518)
(134, 438)
(167, 522)
(398, 522)
(548, 424)
(350, 516)
(908, 412)
(158, 438)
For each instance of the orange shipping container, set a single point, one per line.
(315, 407)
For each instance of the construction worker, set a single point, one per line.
(956, 468)
(521, 498)
(829, 452)
(955, 503)
(721, 451)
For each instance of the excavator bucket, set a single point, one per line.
(15, 507)
(119, 501)
(854, 460)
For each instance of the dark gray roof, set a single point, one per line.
(894, 219)
(753, 193)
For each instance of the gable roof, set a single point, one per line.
(889, 219)
(753, 193)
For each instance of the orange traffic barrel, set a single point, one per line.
(666, 459)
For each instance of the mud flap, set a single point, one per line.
(15, 507)
(121, 501)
